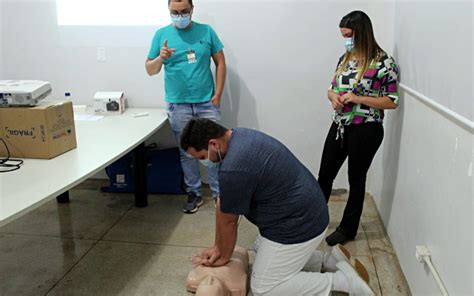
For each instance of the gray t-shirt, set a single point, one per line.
(261, 179)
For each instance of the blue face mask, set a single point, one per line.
(349, 44)
(181, 21)
(210, 164)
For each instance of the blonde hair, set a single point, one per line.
(361, 68)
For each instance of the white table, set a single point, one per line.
(99, 143)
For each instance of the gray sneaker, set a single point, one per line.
(193, 203)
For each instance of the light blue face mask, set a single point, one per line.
(181, 21)
(349, 44)
(209, 163)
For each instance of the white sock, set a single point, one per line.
(340, 282)
(329, 261)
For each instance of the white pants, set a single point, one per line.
(289, 269)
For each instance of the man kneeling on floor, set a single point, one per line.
(262, 180)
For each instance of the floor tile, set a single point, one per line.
(88, 215)
(336, 210)
(359, 246)
(374, 228)
(163, 222)
(339, 194)
(389, 273)
(113, 268)
(370, 211)
(30, 265)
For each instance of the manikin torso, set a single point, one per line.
(228, 280)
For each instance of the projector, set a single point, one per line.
(23, 92)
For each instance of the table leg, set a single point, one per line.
(63, 197)
(141, 192)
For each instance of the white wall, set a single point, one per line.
(438, 35)
(280, 55)
(424, 194)
(422, 177)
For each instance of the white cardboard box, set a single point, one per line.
(109, 102)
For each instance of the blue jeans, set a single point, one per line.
(179, 114)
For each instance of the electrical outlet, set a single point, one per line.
(422, 252)
(101, 54)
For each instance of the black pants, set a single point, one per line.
(360, 143)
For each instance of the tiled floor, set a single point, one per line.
(100, 244)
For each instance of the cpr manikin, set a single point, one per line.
(228, 280)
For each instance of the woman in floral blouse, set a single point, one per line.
(364, 85)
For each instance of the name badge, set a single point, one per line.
(191, 56)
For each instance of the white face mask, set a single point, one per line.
(181, 21)
(209, 163)
(349, 44)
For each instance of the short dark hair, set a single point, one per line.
(189, 1)
(198, 132)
